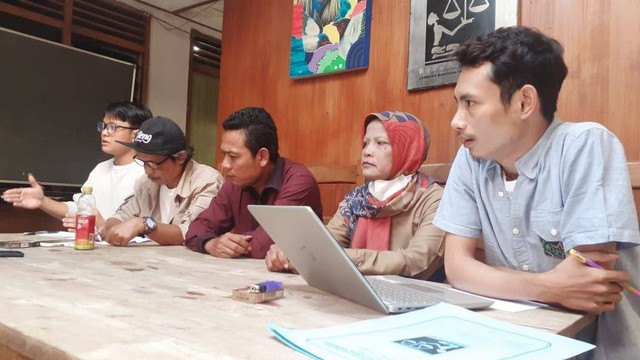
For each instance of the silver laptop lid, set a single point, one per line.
(323, 264)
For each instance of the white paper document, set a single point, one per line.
(53, 234)
(509, 305)
(448, 331)
(53, 238)
(62, 235)
(135, 240)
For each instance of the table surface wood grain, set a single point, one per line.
(167, 302)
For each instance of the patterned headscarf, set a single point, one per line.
(409, 140)
(369, 219)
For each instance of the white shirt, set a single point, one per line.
(111, 185)
(167, 198)
(509, 185)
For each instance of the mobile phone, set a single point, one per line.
(11, 253)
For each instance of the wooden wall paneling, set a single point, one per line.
(335, 105)
(624, 70)
(602, 61)
(334, 182)
(634, 173)
(15, 219)
(320, 119)
(584, 37)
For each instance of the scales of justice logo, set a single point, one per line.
(449, 27)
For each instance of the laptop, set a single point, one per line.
(324, 264)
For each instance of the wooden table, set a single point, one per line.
(155, 302)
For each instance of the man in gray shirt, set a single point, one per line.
(531, 187)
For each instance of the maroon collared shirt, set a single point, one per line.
(291, 183)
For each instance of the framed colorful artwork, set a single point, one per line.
(329, 36)
(439, 27)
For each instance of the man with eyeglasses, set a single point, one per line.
(175, 190)
(112, 180)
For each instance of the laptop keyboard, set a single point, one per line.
(392, 293)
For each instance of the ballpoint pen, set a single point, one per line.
(585, 260)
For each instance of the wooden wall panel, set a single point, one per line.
(319, 119)
(603, 59)
(15, 219)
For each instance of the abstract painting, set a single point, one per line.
(439, 27)
(329, 36)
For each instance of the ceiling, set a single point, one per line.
(204, 12)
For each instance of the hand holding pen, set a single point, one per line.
(578, 287)
(585, 260)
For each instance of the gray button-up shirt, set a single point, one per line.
(573, 189)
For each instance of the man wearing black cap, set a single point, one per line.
(175, 190)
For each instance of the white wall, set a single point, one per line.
(169, 60)
(168, 73)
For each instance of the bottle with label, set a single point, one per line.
(85, 220)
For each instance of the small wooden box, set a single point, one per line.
(243, 294)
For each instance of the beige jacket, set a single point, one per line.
(198, 185)
(416, 248)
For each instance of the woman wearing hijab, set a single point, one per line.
(386, 224)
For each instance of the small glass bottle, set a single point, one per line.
(85, 220)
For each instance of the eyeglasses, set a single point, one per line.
(112, 127)
(150, 164)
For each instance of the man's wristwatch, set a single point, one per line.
(149, 225)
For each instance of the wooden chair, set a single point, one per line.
(634, 174)
(329, 176)
(439, 172)
(324, 174)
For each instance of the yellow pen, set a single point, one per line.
(585, 260)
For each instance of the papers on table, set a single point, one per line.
(135, 240)
(33, 239)
(509, 305)
(57, 243)
(51, 239)
(139, 240)
(53, 234)
(449, 331)
(515, 305)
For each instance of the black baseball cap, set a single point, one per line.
(158, 136)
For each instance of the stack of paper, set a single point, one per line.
(449, 331)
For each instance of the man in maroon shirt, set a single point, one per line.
(255, 174)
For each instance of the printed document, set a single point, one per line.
(449, 331)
